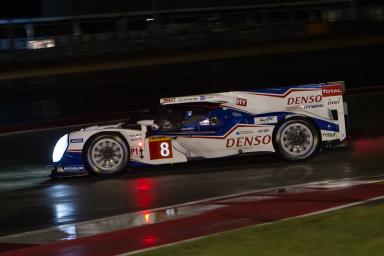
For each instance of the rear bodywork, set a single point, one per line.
(226, 124)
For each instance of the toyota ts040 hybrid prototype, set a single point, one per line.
(292, 121)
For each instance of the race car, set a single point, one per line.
(292, 121)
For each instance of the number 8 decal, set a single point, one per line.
(160, 148)
(164, 149)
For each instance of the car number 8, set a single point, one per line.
(164, 149)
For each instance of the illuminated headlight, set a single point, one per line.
(60, 148)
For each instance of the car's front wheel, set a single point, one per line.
(297, 139)
(106, 155)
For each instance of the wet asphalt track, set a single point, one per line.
(30, 200)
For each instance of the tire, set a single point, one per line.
(297, 139)
(106, 155)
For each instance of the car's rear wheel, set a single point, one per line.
(107, 155)
(297, 139)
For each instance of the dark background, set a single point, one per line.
(20, 8)
(49, 8)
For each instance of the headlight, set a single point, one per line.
(60, 148)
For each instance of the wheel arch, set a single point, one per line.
(90, 138)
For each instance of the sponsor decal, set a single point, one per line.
(76, 140)
(243, 132)
(135, 135)
(332, 90)
(185, 99)
(236, 114)
(135, 151)
(248, 141)
(158, 138)
(168, 100)
(334, 102)
(293, 108)
(73, 168)
(265, 120)
(304, 100)
(188, 128)
(241, 102)
(263, 131)
(328, 134)
(188, 99)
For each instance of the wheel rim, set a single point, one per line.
(297, 139)
(107, 155)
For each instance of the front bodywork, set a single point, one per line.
(235, 122)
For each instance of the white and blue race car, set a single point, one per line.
(292, 121)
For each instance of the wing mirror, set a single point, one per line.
(145, 123)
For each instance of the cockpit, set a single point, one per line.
(190, 117)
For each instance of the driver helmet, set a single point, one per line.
(188, 114)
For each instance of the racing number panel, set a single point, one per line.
(160, 148)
